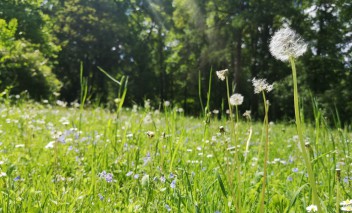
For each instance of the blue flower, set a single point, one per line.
(108, 177)
(17, 178)
(173, 184)
(168, 208)
(101, 197)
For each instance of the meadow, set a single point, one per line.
(85, 158)
(60, 159)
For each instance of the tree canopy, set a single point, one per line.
(164, 47)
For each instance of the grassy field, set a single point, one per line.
(59, 159)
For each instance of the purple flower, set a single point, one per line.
(171, 176)
(129, 173)
(102, 174)
(101, 197)
(17, 178)
(62, 139)
(289, 178)
(295, 170)
(162, 178)
(173, 184)
(168, 208)
(345, 179)
(136, 176)
(108, 177)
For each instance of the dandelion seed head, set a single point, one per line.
(222, 74)
(247, 114)
(286, 43)
(261, 85)
(236, 99)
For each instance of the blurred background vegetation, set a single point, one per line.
(163, 46)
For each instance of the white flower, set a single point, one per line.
(346, 208)
(312, 208)
(50, 145)
(287, 43)
(236, 99)
(167, 103)
(261, 85)
(3, 174)
(222, 74)
(346, 203)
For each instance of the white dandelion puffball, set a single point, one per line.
(236, 99)
(261, 85)
(287, 43)
(222, 74)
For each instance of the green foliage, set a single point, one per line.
(23, 66)
(50, 165)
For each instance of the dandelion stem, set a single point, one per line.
(311, 177)
(266, 152)
(228, 97)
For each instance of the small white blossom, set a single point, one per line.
(312, 208)
(261, 85)
(222, 74)
(346, 203)
(346, 208)
(287, 43)
(236, 99)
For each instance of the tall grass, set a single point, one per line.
(177, 169)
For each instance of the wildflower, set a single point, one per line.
(168, 208)
(215, 111)
(136, 176)
(129, 173)
(295, 170)
(222, 74)
(3, 174)
(101, 197)
(108, 177)
(167, 103)
(171, 176)
(312, 208)
(247, 114)
(261, 85)
(17, 178)
(50, 145)
(346, 208)
(236, 99)
(346, 203)
(180, 110)
(162, 179)
(345, 180)
(173, 184)
(287, 43)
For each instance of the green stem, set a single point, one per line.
(266, 152)
(228, 97)
(311, 177)
(238, 165)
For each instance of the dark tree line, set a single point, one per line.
(164, 46)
